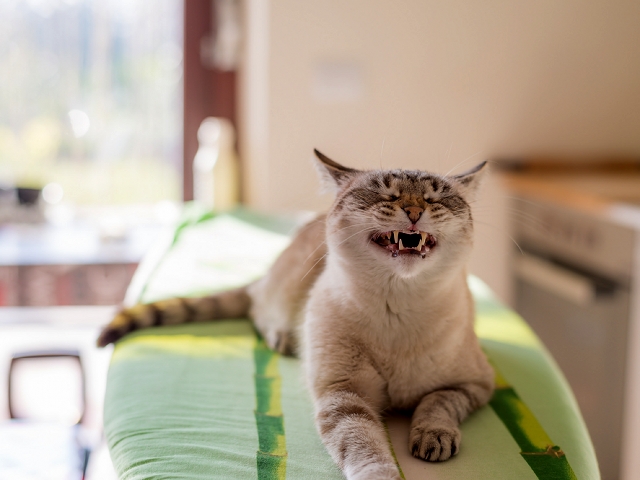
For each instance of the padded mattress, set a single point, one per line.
(211, 401)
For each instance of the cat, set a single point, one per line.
(373, 297)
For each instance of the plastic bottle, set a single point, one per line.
(215, 166)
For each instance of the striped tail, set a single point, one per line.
(230, 304)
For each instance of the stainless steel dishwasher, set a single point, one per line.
(573, 285)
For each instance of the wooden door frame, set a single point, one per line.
(207, 92)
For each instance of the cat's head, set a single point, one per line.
(400, 221)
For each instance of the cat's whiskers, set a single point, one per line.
(513, 209)
(313, 266)
(339, 230)
(318, 261)
(514, 212)
(526, 218)
(354, 225)
(363, 230)
(460, 163)
(501, 231)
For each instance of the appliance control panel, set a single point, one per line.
(600, 246)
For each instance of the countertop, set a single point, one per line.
(73, 244)
(611, 195)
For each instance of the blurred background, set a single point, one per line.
(101, 117)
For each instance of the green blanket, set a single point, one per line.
(211, 401)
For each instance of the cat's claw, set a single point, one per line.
(434, 444)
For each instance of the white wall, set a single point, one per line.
(430, 85)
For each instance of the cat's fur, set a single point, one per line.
(376, 328)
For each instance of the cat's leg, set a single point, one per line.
(348, 419)
(279, 298)
(281, 340)
(435, 433)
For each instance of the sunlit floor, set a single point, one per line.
(47, 389)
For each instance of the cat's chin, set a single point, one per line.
(409, 266)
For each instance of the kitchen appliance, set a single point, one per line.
(576, 276)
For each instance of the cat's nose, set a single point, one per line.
(414, 213)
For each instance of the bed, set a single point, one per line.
(203, 401)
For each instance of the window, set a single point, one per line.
(91, 98)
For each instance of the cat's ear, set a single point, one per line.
(469, 182)
(334, 176)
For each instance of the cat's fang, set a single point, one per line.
(424, 237)
(395, 236)
(400, 246)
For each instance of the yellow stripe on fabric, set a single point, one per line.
(393, 452)
(546, 459)
(501, 326)
(141, 345)
(271, 457)
(535, 439)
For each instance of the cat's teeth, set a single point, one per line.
(400, 246)
(396, 236)
(424, 237)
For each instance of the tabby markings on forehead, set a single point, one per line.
(415, 179)
(376, 182)
(387, 214)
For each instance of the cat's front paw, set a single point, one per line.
(434, 444)
(375, 472)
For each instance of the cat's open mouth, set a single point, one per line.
(405, 242)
